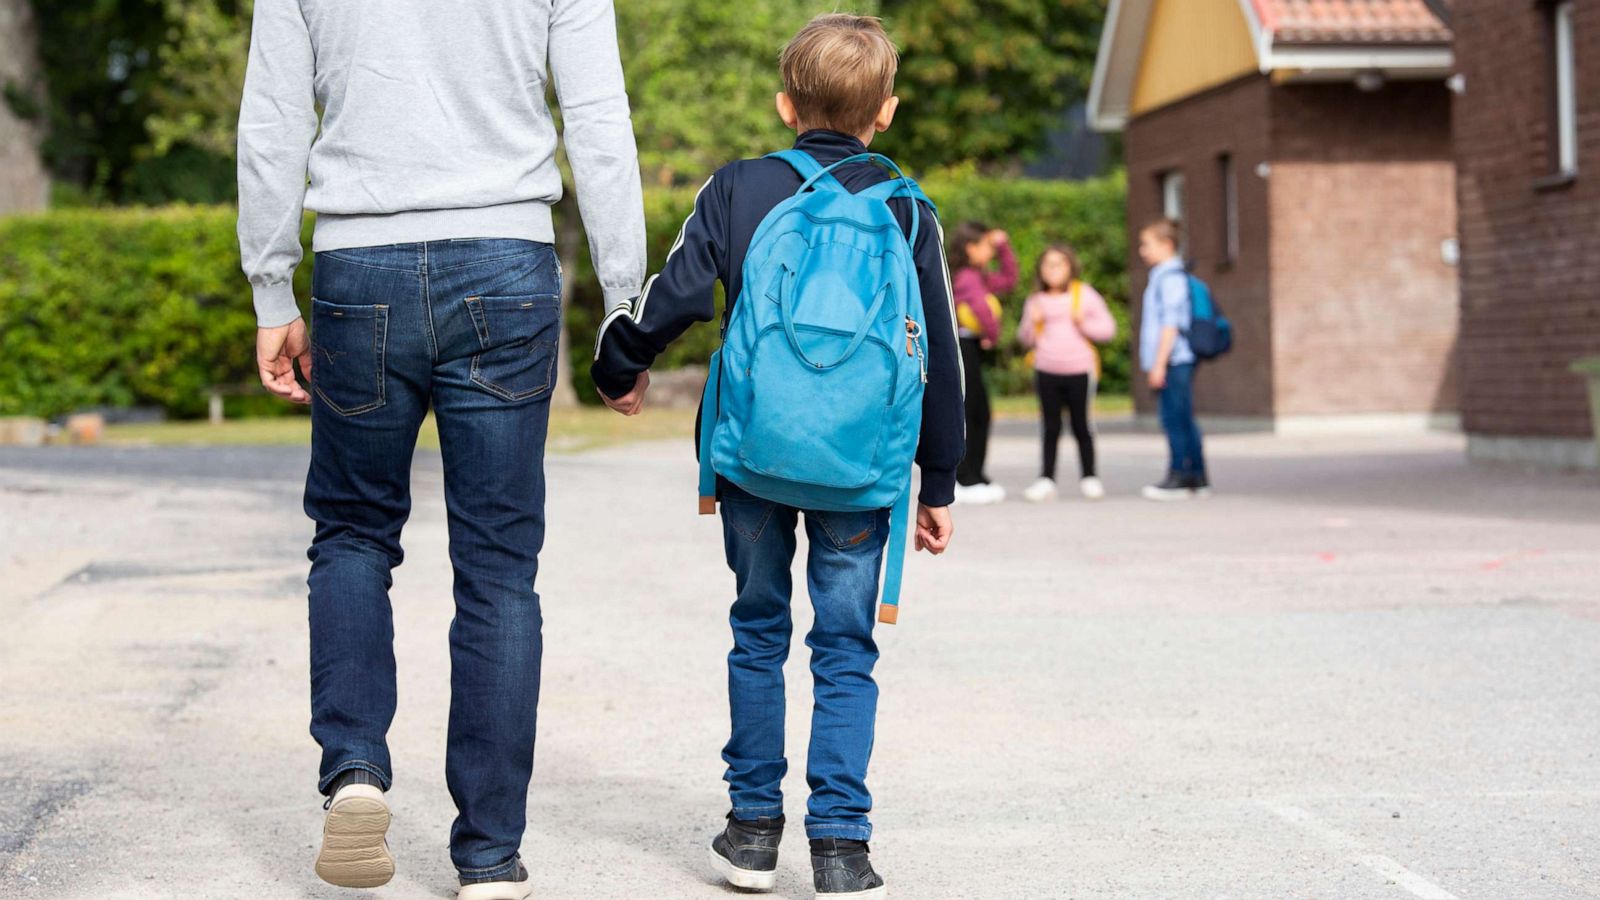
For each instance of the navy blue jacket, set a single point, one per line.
(712, 247)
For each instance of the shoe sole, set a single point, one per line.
(868, 894)
(749, 879)
(497, 890)
(1169, 496)
(354, 853)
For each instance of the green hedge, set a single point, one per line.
(121, 307)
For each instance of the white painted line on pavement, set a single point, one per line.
(1417, 885)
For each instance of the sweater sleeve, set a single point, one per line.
(1027, 329)
(277, 125)
(972, 293)
(942, 441)
(1004, 279)
(598, 132)
(1098, 324)
(634, 333)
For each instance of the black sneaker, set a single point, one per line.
(840, 868)
(1199, 485)
(1173, 487)
(517, 886)
(746, 853)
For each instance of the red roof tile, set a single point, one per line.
(1351, 22)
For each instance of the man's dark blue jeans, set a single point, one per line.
(1177, 420)
(468, 329)
(846, 551)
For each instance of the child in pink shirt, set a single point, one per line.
(1062, 322)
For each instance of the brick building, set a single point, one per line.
(1306, 147)
(1527, 139)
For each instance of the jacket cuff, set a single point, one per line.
(275, 304)
(611, 384)
(618, 296)
(938, 487)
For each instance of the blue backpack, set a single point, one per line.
(815, 398)
(1210, 334)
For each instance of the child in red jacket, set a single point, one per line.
(973, 247)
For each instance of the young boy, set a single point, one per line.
(1164, 354)
(838, 78)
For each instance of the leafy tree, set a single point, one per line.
(202, 74)
(702, 74)
(983, 81)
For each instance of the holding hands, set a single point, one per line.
(632, 402)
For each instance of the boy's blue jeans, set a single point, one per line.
(1177, 420)
(468, 328)
(842, 577)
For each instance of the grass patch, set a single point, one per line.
(1026, 406)
(572, 430)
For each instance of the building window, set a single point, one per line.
(1564, 84)
(1172, 195)
(1172, 206)
(1228, 177)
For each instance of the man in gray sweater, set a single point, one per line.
(432, 170)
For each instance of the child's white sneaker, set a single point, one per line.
(1041, 491)
(1092, 488)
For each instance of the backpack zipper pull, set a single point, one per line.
(911, 336)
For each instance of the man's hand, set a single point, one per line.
(1158, 378)
(277, 350)
(934, 528)
(630, 403)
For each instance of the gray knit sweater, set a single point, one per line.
(434, 126)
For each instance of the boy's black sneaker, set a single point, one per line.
(1199, 485)
(746, 853)
(1173, 487)
(513, 886)
(840, 868)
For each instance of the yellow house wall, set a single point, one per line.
(1189, 46)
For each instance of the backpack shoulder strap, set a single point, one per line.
(807, 167)
(894, 559)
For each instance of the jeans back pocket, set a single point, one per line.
(519, 335)
(347, 355)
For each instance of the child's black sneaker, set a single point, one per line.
(1173, 487)
(514, 886)
(840, 868)
(746, 853)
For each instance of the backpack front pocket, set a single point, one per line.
(347, 352)
(811, 425)
(519, 336)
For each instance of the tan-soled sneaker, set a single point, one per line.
(355, 851)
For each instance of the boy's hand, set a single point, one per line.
(1158, 378)
(630, 403)
(998, 237)
(277, 350)
(934, 528)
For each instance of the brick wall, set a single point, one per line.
(1364, 307)
(1190, 136)
(23, 183)
(1340, 296)
(1530, 296)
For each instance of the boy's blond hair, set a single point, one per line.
(838, 71)
(1165, 229)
